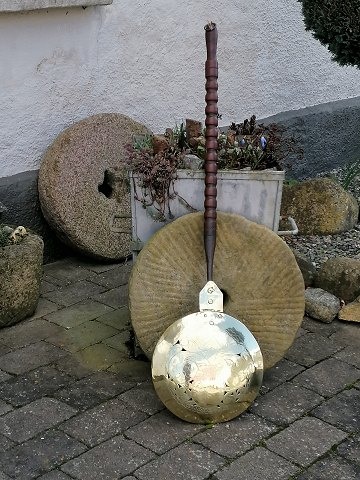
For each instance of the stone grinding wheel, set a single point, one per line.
(257, 272)
(83, 189)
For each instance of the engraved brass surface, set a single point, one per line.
(207, 367)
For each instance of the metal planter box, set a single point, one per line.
(256, 195)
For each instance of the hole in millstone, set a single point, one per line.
(106, 186)
(226, 297)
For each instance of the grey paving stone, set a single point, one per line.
(79, 313)
(347, 334)
(343, 410)
(55, 475)
(91, 359)
(350, 449)
(310, 349)
(28, 332)
(44, 307)
(321, 328)
(119, 319)
(74, 293)
(188, 461)
(4, 477)
(112, 459)
(67, 270)
(5, 443)
(82, 336)
(55, 281)
(259, 464)
(4, 376)
(102, 422)
(30, 386)
(4, 407)
(162, 431)
(234, 438)
(331, 467)
(305, 441)
(144, 398)
(280, 373)
(30, 357)
(98, 267)
(286, 403)
(113, 278)
(328, 377)
(4, 349)
(350, 355)
(26, 422)
(46, 287)
(116, 298)
(119, 341)
(92, 390)
(39, 455)
(133, 369)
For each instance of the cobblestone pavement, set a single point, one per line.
(74, 405)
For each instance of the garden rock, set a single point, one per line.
(321, 305)
(320, 207)
(351, 311)
(20, 277)
(341, 277)
(307, 269)
(83, 188)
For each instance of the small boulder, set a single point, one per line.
(307, 269)
(320, 206)
(321, 305)
(341, 277)
(193, 162)
(351, 312)
(160, 143)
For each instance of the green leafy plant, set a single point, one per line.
(336, 24)
(350, 172)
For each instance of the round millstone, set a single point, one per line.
(83, 187)
(257, 272)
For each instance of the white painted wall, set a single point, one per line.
(144, 58)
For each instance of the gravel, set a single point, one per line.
(318, 248)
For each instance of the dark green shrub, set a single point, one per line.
(336, 23)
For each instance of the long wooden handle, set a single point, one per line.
(211, 135)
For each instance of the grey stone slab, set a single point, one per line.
(183, 462)
(116, 298)
(30, 357)
(162, 431)
(113, 278)
(350, 449)
(259, 464)
(28, 332)
(331, 467)
(26, 422)
(286, 403)
(55, 475)
(100, 267)
(91, 359)
(234, 438)
(92, 390)
(68, 270)
(4, 376)
(4, 349)
(4, 477)
(321, 328)
(74, 293)
(44, 307)
(56, 281)
(112, 459)
(39, 455)
(82, 336)
(305, 441)
(46, 287)
(79, 313)
(342, 410)
(4, 407)
(328, 377)
(347, 334)
(310, 349)
(119, 341)
(5, 443)
(350, 355)
(33, 385)
(133, 369)
(144, 398)
(102, 422)
(119, 319)
(280, 373)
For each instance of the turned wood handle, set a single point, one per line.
(211, 135)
